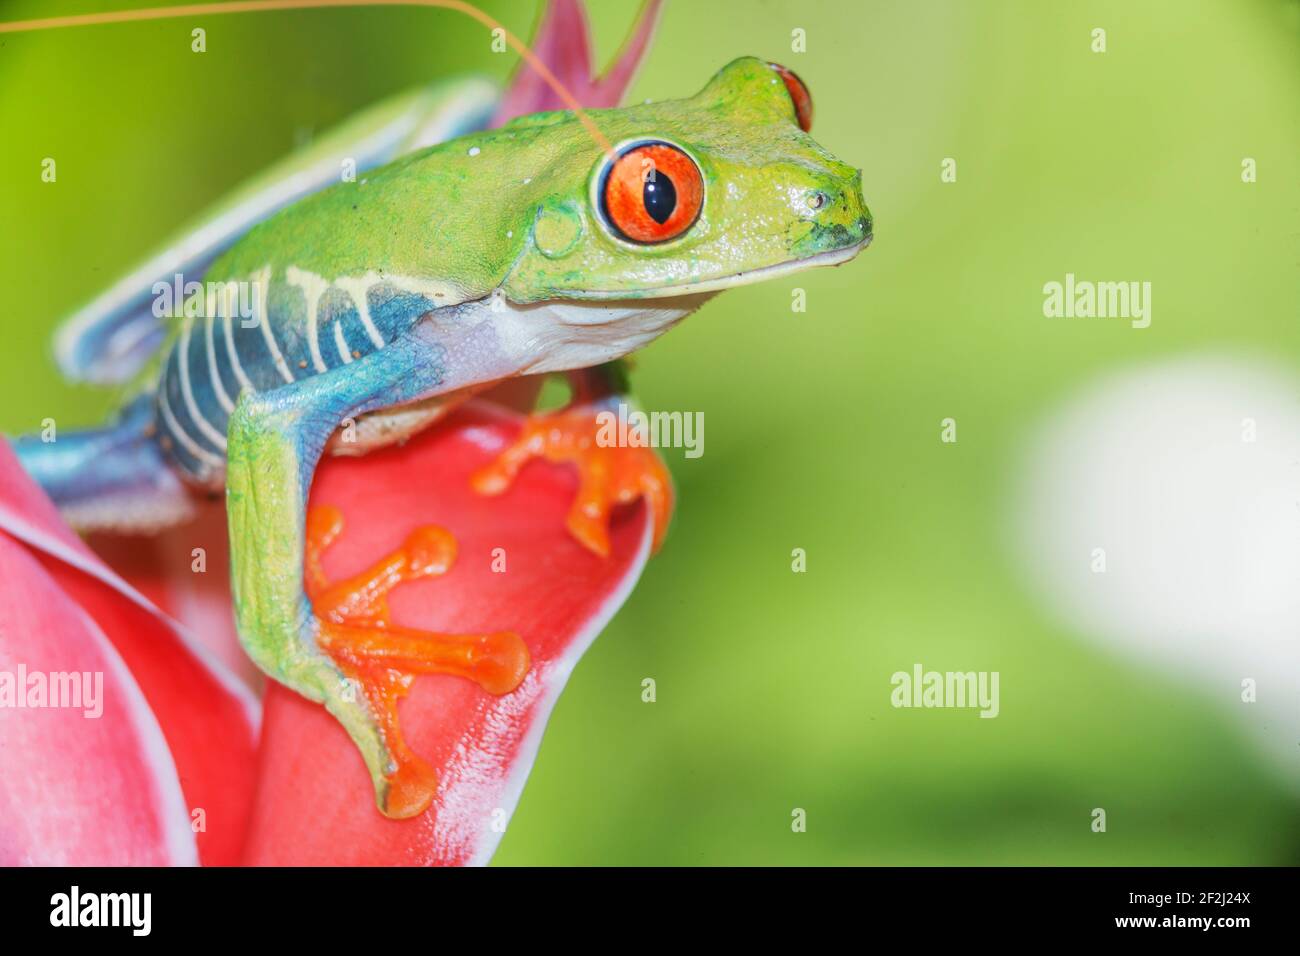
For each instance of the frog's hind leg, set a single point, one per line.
(113, 478)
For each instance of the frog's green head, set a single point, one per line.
(695, 195)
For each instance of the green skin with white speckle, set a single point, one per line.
(509, 211)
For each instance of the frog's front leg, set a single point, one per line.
(337, 647)
(609, 473)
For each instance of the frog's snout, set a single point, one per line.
(856, 208)
(840, 217)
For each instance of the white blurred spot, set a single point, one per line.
(1187, 475)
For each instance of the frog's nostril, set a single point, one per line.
(818, 200)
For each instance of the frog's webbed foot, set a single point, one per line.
(609, 473)
(383, 659)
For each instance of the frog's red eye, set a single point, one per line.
(799, 96)
(652, 192)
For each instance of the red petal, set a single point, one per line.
(315, 803)
(208, 717)
(78, 790)
(161, 568)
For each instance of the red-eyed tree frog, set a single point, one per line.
(459, 257)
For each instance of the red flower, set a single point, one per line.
(173, 770)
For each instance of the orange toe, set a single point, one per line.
(609, 474)
(383, 659)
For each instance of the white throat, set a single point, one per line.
(569, 333)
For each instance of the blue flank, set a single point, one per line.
(199, 451)
(138, 459)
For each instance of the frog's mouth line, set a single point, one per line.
(831, 257)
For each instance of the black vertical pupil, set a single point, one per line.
(660, 197)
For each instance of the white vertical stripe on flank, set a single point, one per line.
(245, 385)
(187, 390)
(313, 290)
(218, 386)
(184, 437)
(357, 289)
(341, 343)
(281, 365)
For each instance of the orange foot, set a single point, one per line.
(383, 659)
(609, 474)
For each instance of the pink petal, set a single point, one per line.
(563, 43)
(612, 86)
(315, 804)
(78, 790)
(208, 717)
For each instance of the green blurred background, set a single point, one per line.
(822, 427)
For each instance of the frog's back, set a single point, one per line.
(348, 270)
